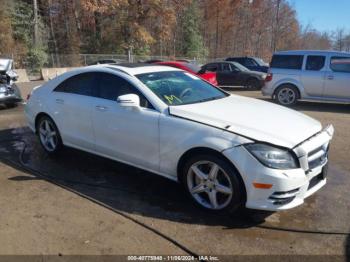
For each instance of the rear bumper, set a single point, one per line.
(266, 90)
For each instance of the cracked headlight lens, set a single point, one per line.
(272, 157)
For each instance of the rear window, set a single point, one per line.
(192, 67)
(340, 64)
(287, 61)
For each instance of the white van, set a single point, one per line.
(309, 75)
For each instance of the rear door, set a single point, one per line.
(72, 102)
(338, 78)
(127, 134)
(313, 75)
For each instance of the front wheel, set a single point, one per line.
(49, 135)
(213, 183)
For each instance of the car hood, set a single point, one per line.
(255, 119)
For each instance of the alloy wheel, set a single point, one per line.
(286, 96)
(48, 135)
(209, 185)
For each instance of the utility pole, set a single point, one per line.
(217, 30)
(277, 24)
(36, 26)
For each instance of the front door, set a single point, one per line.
(130, 135)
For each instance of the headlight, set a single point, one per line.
(272, 157)
(3, 89)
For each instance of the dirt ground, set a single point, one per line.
(87, 205)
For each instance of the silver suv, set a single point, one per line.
(309, 75)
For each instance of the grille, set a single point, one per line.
(318, 156)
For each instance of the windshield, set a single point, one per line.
(180, 88)
(260, 62)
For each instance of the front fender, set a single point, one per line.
(186, 135)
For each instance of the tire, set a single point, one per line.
(10, 105)
(221, 190)
(253, 84)
(49, 136)
(287, 95)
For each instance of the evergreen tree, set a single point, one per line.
(193, 45)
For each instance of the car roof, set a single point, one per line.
(240, 57)
(138, 68)
(311, 52)
(172, 63)
(221, 62)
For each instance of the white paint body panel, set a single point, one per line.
(253, 118)
(155, 140)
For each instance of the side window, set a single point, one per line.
(226, 67)
(111, 86)
(287, 61)
(81, 84)
(340, 64)
(234, 68)
(315, 63)
(212, 68)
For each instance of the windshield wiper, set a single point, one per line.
(208, 99)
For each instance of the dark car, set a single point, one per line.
(252, 63)
(234, 74)
(104, 61)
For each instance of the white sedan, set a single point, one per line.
(228, 151)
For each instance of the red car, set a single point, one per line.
(193, 69)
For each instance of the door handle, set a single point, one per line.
(59, 101)
(330, 77)
(101, 108)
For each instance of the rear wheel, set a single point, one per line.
(10, 105)
(213, 183)
(252, 83)
(49, 136)
(287, 95)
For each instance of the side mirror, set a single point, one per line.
(129, 100)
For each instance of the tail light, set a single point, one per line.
(268, 77)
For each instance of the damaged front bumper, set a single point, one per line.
(289, 187)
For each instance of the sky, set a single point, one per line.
(323, 15)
